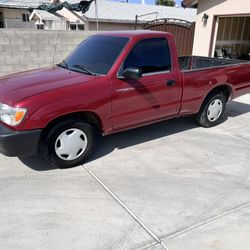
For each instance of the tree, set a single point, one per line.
(165, 2)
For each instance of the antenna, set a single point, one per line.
(96, 16)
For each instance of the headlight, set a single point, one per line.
(11, 116)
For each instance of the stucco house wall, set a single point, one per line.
(205, 34)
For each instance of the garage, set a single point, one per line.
(233, 38)
(222, 28)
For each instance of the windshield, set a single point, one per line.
(95, 55)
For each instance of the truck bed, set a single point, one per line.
(198, 62)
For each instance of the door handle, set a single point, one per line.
(171, 82)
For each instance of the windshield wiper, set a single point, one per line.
(90, 72)
(63, 64)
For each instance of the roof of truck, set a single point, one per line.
(132, 33)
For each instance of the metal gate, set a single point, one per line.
(182, 30)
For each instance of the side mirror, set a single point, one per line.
(132, 73)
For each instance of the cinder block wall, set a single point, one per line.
(22, 50)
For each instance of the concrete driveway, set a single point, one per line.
(171, 185)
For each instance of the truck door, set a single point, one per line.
(154, 96)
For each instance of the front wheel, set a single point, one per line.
(68, 143)
(212, 111)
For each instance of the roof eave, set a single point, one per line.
(14, 7)
(188, 3)
(115, 20)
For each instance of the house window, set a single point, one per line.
(81, 27)
(40, 26)
(1, 20)
(25, 17)
(72, 26)
(77, 26)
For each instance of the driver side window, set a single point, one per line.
(150, 55)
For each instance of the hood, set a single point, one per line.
(20, 86)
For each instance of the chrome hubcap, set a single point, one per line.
(71, 144)
(214, 110)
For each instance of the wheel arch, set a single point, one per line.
(226, 89)
(87, 116)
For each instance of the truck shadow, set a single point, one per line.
(36, 163)
(106, 145)
(235, 109)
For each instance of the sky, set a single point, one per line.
(178, 2)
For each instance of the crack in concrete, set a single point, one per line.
(233, 136)
(206, 222)
(148, 231)
(150, 246)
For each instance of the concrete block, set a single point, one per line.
(7, 68)
(58, 60)
(70, 48)
(5, 53)
(60, 52)
(53, 40)
(29, 49)
(4, 41)
(20, 54)
(48, 60)
(15, 41)
(65, 35)
(12, 61)
(65, 41)
(77, 40)
(12, 47)
(38, 60)
(38, 47)
(30, 41)
(21, 32)
(44, 65)
(31, 54)
(48, 48)
(44, 40)
(24, 47)
(43, 54)
(62, 47)
(64, 55)
(19, 68)
(10, 33)
(31, 67)
(26, 61)
(60, 56)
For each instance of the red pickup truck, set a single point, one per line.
(113, 81)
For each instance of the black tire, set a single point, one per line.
(204, 117)
(52, 140)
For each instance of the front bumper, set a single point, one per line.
(18, 143)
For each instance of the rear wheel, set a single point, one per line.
(212, 110)
(68, 143)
